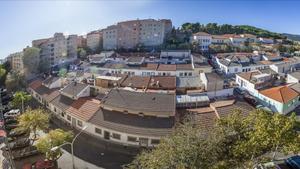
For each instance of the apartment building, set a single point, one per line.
(81, 41)
(110, 36)
(16, 61)
(57, 49)
(94, 40)
(129, 34)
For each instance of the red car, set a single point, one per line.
(41, 164)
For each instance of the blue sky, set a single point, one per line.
(23, 21)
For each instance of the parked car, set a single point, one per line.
(293, 162)
(20, 143)
(9, 127)
(250, 99)
(40, 164)
(239, 91)
(12, 113)
(25, 152)
(16, 133)
(11, 121)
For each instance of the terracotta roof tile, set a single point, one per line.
(136, 82)
(184, 67)
(164, 67)
(162, 82)
(281, 94)
(35, 84)
(150, 66)
(249, 75)
(84, 108)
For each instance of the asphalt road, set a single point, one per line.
(99, 152)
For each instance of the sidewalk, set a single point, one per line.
(65, 162)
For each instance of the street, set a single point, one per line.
(98, 152)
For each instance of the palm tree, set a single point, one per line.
(34, 121)
(20, 98)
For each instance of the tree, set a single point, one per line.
(44, 66)
(31, 60)
(4, 69)
(82, 53)
(185, 148)
(20, 98)
(35, 120)
(62, 72)
(15, 81)
(2, 76)
(236, 141)
(52, 139)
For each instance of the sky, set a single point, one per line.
(25, 20)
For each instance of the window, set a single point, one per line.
(190, 73)
(54, 109)
(68, 117)
(79, 123)
(131, 139)
(154, 141)
(63, 114)
(98, 131)
(116, 136)
(181, 74)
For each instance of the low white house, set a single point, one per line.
(281, 99)
(232, 63)
(253, 81)
(203, 39)
(293, 77)
(266, 40)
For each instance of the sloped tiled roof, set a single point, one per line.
(136, 82)
(133, 124)
(35, 84)
(135, 59)
(74, 88)
(84, 108)
(224, 111)
(50, 80)
(281, 94)
(62, 102)
(162, 82)
(164, 67)
(151, 66)
(184, 67)
(46, 93)
(152, 104)
(249, 75)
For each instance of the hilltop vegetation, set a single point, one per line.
(214, 28)
(292, 36)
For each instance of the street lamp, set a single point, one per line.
(71, 144)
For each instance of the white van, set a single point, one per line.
(12, 113)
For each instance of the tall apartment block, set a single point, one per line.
(57, 49)
(16, 62)
(129, 34)
(94, 40)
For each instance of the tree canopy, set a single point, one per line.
(33, 120)
(31, 59)
(235, 142)
(214, 28)
(52, 139)
(20, 99)
(15, 81)
(4, 69)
